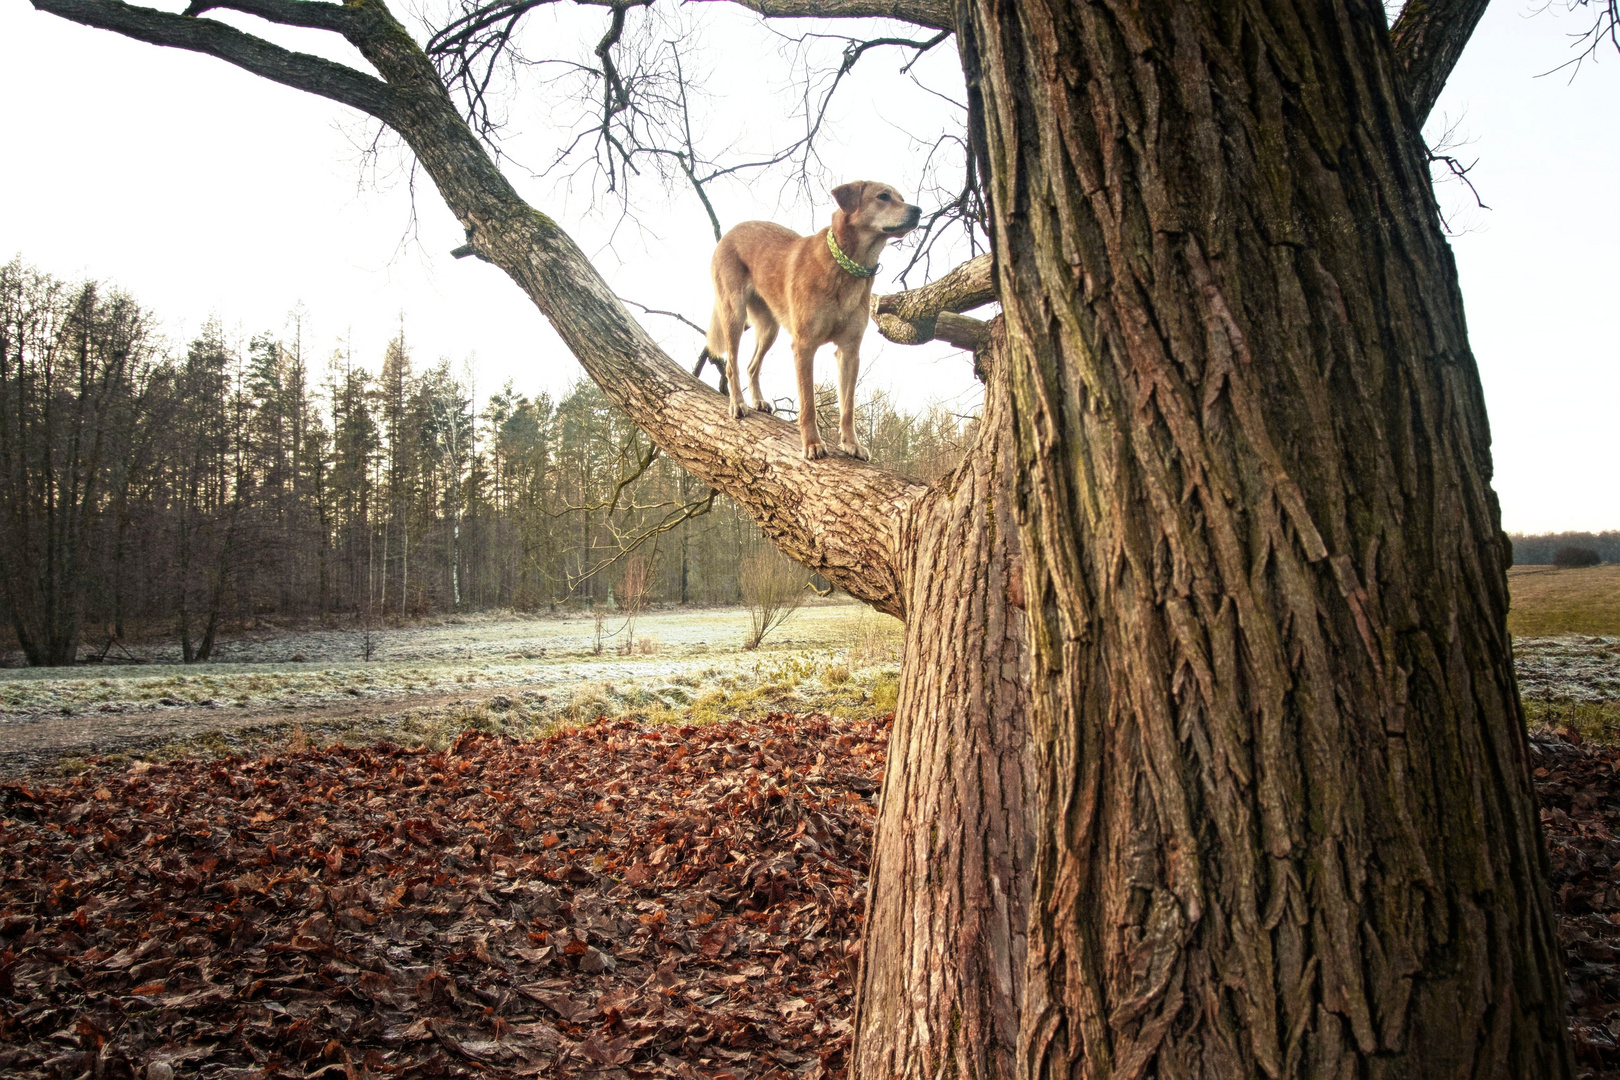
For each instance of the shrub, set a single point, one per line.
(879, 641)
(773, 589)
(633, 594)
(1573, 555)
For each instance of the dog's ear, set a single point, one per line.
(849, 195)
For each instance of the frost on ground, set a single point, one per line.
(1572, 667)
(425, 683)
(522, 676)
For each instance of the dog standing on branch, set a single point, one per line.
(818, 286)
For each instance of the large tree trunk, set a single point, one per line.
(943, 959)
(1285, 825)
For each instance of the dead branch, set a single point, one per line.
(1605, 27)
(629, 542)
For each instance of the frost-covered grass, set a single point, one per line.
(476, 654)
(831, 680)
(1566, 647)
(524, 677)
(531, 676)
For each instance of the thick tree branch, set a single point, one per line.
(931, 13)
(298, 70)
(934, 310)
(1428, 38)
(315, 14)
(838, 516)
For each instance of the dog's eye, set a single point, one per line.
(884, 197)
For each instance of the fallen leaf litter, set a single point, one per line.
(1579, 789)
(614, 900)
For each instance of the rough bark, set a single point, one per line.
(1285, 822)
(1428, 38)
(934, 310)
(943, 963)
(936, 14)
(1276, 781)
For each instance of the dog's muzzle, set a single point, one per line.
(913, 215)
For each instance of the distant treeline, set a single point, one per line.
(1538, 550)
(152, 490)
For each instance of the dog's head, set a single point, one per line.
(869, 206)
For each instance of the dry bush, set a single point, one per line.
(773, 588)
(879, 641)
(647, 645)
(635, 589)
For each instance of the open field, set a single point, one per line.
(427, 682)
(523, 675)
(1548, 601)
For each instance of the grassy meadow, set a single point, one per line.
(1547, 601)
(528, 676)
(427, 682)
(1569, 674)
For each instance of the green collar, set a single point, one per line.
(846, 262)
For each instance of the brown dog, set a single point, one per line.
(768, 277)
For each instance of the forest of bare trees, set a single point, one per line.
(149, 490)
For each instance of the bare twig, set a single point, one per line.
(627, 546)
(1441, 154)
(1605, 27)
(658, 311)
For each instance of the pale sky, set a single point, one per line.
(205, 191)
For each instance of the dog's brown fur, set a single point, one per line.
(769, 277)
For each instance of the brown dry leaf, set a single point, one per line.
(320, 911)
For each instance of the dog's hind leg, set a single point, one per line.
(849, 369)
(765, 330)
(732, 288)
(725, 338)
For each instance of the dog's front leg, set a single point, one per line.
(849, 369)
(804, 365)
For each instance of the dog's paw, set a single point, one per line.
(814, 451)
(738, 410)
(854, 449)
(765, 407)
